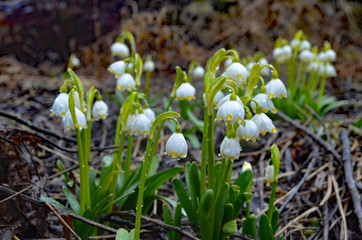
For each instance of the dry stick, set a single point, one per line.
(309, 211)
(22, 196)
(348, 173)
(157, 222)
(328, 193)
(30, 125)
(15, 194)
(62, 220)
(92, 223)
(325, 221)
(57, 153)
(324, 144)
(339, 201)
(296, 188)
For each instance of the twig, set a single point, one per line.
(62, 220)
(92, 223)
(339, 201)
(57, 153)
(325, 222)
(348, 173)
(157, 222)
(308, 131)
(328, 193)
(16, 194)
(30, 125)
(22, 196)
(296, 188)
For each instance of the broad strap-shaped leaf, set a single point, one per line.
(220, 203)
(177, 221)
(192, 176)
(185, 200)
(275, 221)
(74, 205)
(167, 219)
(204, 217)
(53, 202)
(249, 226)
(265, 229)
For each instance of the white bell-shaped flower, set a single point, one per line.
(60, 105)
(265, 71)
(68, 121)
(246, 166)
(176, 146)
(117, 68)
(330, 55)
(185, 91)
(230, 148)
(126, 82)
(231, 112)
(278, 54)
(99, 110)
(250, 65)
(305, 45)
(120, 50)
(150, 114)
(238, 73)
(75, 61)
(322, 56)
(306, 56)
(141, 125)
(287, 51)
(313, 66)
(130, 120)
(198, 72)
(149, 66)
(269, 174)
(264, 102)
(248, 131)
(226, 99)
(330, 70)
(264, 123)
(228, 62)
(295, 43)
(218, 96)
(77, 100)
(275, 88)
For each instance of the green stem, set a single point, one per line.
(147, 84)
(271, 200)
(301, 67)
(247, 213)
(127, 166)
(321, 91)
(204, 155)
(210, 149)
(118, 131)
(82, 173)
(291, 86)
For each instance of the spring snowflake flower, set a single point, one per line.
(269, 174)
(198, 72)
(176, 146)
(226, 99)
(77, 101)
(330, 55)
(75, 62)
(68, 121)
(150, 114)
(275, 88)
(185, 91)
(228, 62)
(330, 70)
(278, 54)
(246, 166)
(287, 51)
(117, 68)
(99, 110)
(218, 96)
(306, 56)
(249, 131)
(295, 43)
(266, 70)
(230, 148)
(120, 50)
(141, 125)
(149, 66)
(264, 102)
(60, 105)
(305, 45)
(250, 65)
(231, 112)
(126, 82)
(322, 56)
(130, 120)
(238, 73)
(264, 123)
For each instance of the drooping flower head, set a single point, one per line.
(99, 110)
(150, 114)
(176, 146)
(126, 82)
(264, 123)
(69, 123)
(60, 105)
(306, 56)
(149, 66)
(185, 91)
(264, 102)
(231, 112)
(249, 131)
(198, 72)
(141, 125)
(117, 68)
(275, 88)
(269, 174)
(226, 99)
(238, 73)
(230, 148)
(120, 50)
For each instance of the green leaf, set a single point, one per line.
(123, 234)
(219, 209)
(205, 204)
(275, 220)
(192, 177)
(244, 180)
(74, 205)
(199, 124)
(155, 182)
(167, 219)
(154, 165)
(177, 221)
(193, 140)
(265, 229)
(53, 202)
(229, 227)
(333, 106)
(184, 199)
(249, 226)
